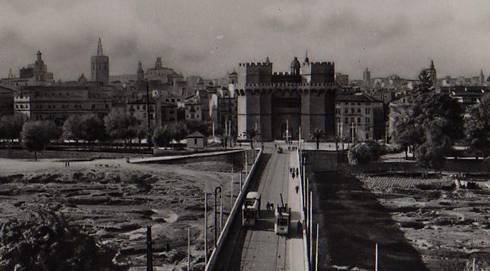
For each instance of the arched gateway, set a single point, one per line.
(278, 104)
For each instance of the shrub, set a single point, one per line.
(363, 153)
(46, 241)
(161, 137)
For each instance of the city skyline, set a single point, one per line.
(385, 36)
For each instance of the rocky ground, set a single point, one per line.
(448, 225)
(115, 201)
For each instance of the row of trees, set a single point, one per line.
(435, 122)
(117, 125)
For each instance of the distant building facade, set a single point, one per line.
(58, 102)
(342, 79)
(34, 74)
(360, 117)
(276, 105)
(6, 101)
(224, 111)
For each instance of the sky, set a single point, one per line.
(210, 37)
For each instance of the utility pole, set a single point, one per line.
(149, 250)
(188, 249)
(316, 250)
(287, 130)
(205, 228)
(311, 226)
(352, 132)
(246, 164)
(221, 214)
(216, 191)
(299, 137)
(231, 190)
(240, 181)
(148, 108)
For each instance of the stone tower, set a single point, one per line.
(140, 74)
(286, 105)
(366, 77)
(433, 74)
(100, 66)
(295, 66)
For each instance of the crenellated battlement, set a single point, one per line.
(323, 63)
(255, 64)
(288, 84)
(282, 74)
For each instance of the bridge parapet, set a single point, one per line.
(233, 215)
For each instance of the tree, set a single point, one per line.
(53, 131)
(161, 137)
(36, 135)
(251, 134)
(120, 125)
(92, 128)
(317, 135)
(11, 126)
(477, 127)
(178, 130)
(363, 153)
(197, 125)
(142, 132)
(72, 129)
(431, 125)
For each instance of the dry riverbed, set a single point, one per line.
(115, 201)
(448, 226)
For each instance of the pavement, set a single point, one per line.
(295, 244)
(259, 247)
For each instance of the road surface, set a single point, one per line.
(259, 247)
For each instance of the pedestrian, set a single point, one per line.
(267, 206)
(297, 188)
(68, 163)
(297, 171)
(293, 175)
(298, 226)
(272, 206)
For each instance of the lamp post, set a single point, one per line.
(149, 250)
(148, 113)
(217, 191)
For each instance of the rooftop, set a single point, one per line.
(357, 97)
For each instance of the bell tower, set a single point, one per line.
(100, 66)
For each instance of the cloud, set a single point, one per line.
(211, 37)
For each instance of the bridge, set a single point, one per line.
(259, 247)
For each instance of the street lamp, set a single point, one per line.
(148, 113)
